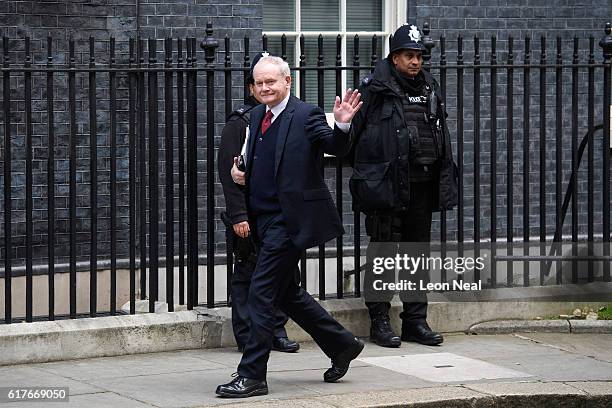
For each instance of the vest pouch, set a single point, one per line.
(423, 151)
(371, 186)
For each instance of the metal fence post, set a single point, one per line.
(606, 44)
(192, 187)
(113, 178)
(50, 182)
(8, 247)
(152, 99)
(28, 162)
(169, 158)
(429, 44)
(210, 44)
(93, 177)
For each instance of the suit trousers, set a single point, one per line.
(241, 321)
(273, 285)
(412, 226)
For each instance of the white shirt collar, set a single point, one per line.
(278, 109)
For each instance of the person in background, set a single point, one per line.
(403, 171)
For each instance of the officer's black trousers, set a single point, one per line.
(241, 281)
(273, 285)
(411, 226)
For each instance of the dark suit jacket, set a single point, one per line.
(232, 139)
(309, 212)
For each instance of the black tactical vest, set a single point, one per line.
(423, 151)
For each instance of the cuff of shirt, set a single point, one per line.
(343, 126)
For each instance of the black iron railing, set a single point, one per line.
(136, 111)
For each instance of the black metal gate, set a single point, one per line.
(143, 96)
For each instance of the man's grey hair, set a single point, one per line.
(282, 65)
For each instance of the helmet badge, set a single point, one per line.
(414, 34)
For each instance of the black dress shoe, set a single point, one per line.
(421, 333)
(285, 345)
(242, 387)
(340, 364)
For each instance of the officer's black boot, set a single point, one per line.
(415, 327)
(381, 332)
(420, 332)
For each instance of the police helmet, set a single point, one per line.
(409, 37)
(256, 58)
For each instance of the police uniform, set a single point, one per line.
(403, 171)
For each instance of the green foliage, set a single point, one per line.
(605, 313)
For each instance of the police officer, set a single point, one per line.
(403, 171)
(232, 141)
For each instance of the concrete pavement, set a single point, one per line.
(203, 328)
(502, 370)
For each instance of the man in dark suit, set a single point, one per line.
(291, 209)
(232, 140)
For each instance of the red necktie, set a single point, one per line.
(267, 121)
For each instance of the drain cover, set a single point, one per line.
(443, 367)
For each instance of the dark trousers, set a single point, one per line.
(410, 226)
(273, 285)
(241, 321)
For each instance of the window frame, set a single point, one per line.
(394, 15)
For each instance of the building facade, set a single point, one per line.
(333, 20)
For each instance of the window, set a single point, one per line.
(330, 18)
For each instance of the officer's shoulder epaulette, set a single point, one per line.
(431, 81)
(240, 112)
(367, 80)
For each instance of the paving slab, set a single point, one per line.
(196, 388)
(167, 390)
(549, 367)
(430, 397)
(357, 379)
(532, 394)
(293, 403)
(443, 367)
(24, 376)
(309, 358)
(598, 347)
(525, 388)
(600, 393)
(131, 366)
(228, 357)
(540, 358)
(93, 400)
(593, 387)
(489, 346)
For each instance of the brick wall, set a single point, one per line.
(512, 17)
(519, 19)
(101, 19)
